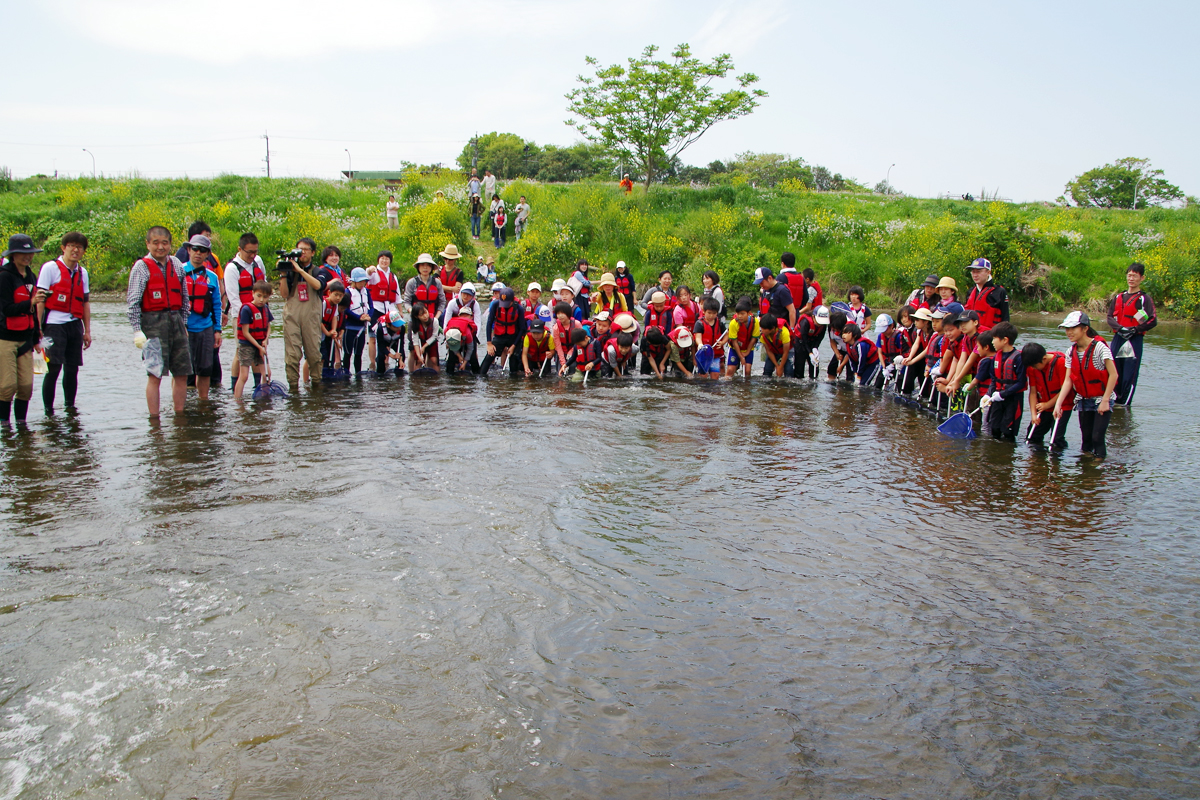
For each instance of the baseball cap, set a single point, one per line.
(200, 240)
(396, 317)
(558, 284)
(532, 286)
(466, 311)
(939, 314)
(883, 322)
(620, 265)
(498, 287)
(963, 316)
(506, 297)
(761, 274)
(1075, 319)
(359, 274)
(603, 316)
(684, 339)
(821, 315)
(454, 340)
(468, 288)
(930, 280)
(537, 325)
(981, 263)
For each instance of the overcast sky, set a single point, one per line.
(1016, 97)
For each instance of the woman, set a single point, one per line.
(19, 333)
(425, 288)
(1093, 376)
(664, 285)
(712, 288)
(625, 283)
(475, 209)
(499, 217)
(608, 298)
(948, 290)
(582, 287)
(331, 257)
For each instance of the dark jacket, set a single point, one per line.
(10, 280)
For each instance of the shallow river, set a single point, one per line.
(464, 589)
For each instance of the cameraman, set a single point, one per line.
(302, 291)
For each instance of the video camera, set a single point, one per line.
(288, 259)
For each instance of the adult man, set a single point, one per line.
(473, 184)
(986, 299)
(489, 183)
(66, 315)
(1130, 315)
(240, 274)
(522, 218)
(802, 298)
(158, 309)
(204, 320)
(627, 184)
(925, 295)
(202, 228)
(301, 292)
(775, 298)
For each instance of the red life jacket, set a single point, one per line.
(387, 289)
(937, 347)
(530, 308)
(893, 345)
(198, 290)
(448, 280)
(855, 351)
(333, 317)
(745, 334)
(773, 342)
(26, 321)
(966, 345)
(163, 291)
(585, 354)
(614, 355)
(820, 301)
(660, 319)
(1087, 381)
(1004, 371)
(798, 287)
(246, 280)
(691, 312)
(504, 321)
(563, 335)
(797, 331)
(989, 316)
(466, 327)
(624, 283)
(539, 351)
(258, 324)
(426, 293)
(1049, 381)
(711, 334)
(67, 294)
(1123, 309)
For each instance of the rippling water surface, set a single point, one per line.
(456, 588)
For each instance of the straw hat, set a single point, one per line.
(625, 323)
(451, 252)
(923, 313)
(608, 279)
(947, 283)
(425, 258)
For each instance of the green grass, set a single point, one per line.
(1048, 256)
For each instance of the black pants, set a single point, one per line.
(383, 347)
(803, 361)
(1093, 426)
(467, 360)
(1046, 425)
(501, 343)
(327, 353)
(353, 342)
(1004, 418)
(1127, 368)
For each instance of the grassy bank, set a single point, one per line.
(1050, 257)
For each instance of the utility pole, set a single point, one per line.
(475, 151)
(268, 158)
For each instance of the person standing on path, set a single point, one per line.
(1130, 315)
(392, 211)
(474, 186)
(489, 183)
(19, 334)
(158, 308)
(522, 218)
(499, 220)
(475, 210)
(301, 291)
(65, 313)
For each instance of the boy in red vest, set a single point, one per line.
(463, 331)
(254, 328)
(1008, 384)
(1045, 372)
(1130, 316)
(158, 308)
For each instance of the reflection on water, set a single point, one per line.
(458, 588)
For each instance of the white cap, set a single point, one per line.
(558, 284)
(821, 315)
(468, 288)
(684, 339)
(532, 286)
(883, 322)
(620, 265)
(498, 286)
(1075, 319)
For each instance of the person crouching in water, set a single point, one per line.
(254, 328)
(423, 333)
(776, 342)
(333, 325)
(655, 351)
(388, 336)
(1008, 384)
(505, 329)
(461, 337)
(862, 353)
(620, 354)
(537, 347)
(681, 351)
(1093, 377)
(585, 354)
(1046, 372)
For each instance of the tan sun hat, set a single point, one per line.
(658, 297)
(625, 323)
(947, 283)
(425, 258)
(450, 252)
(923, 313)
(608, 279)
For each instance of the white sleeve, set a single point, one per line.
(48, 275)
(231, 290)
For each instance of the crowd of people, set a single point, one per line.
(945, 353)
(483, 190)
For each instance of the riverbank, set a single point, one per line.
(1050, 257)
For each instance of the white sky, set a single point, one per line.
(1017, 97)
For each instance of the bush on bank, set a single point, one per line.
(1050, 257)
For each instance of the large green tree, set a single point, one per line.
(1129, 183)
(653, 109)
(505, 154)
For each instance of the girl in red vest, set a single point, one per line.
(1093, 377)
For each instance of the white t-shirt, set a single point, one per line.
(232, 293)
(393, 209)
(522, 212)
(47, 277)
(489, 186)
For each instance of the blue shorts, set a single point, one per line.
(735, 360)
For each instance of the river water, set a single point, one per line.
(464, 589)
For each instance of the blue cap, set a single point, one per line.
(359, 274)
(761, 274)
(981, 263)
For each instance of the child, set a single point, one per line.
(655, 351)
(358, 318)
(712, 289)
(946, 366)
(968, 357)
(841, 357)
(423, 333)
(682, 351)
(467, 335)
(859, 313)
(532, 304)
(583, 303)
(935, 352)
(776, 343)
(862, 354)
(1093, 377)
(892, 344)
(537, 348)
(505, 330)
(1131, 316)
(710, 332)
(585, 354)
(254, 328)
(1046, 373)
(384, 288)
(811, 277)
(806, 340)
(566, 296)
(914, 360)
(658, 314)
(388, 333)
(742, 336)
(619, 354)
(1008, 384)
(565, 324)
(687, 310)
(622, 323)
(333, 324)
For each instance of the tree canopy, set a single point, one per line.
(1129, 183)
(652, 110)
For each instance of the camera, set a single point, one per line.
(287, 260)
